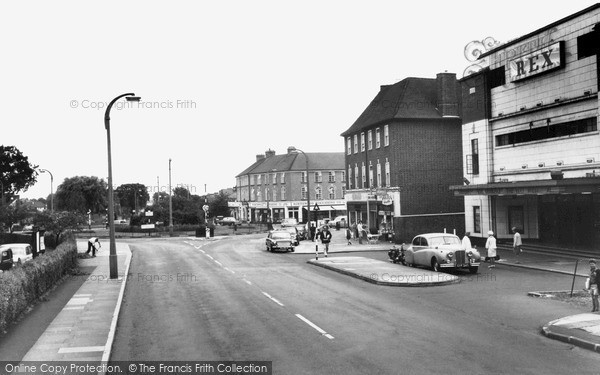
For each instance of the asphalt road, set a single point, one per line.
(232, 300)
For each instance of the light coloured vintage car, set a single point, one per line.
(440, 251)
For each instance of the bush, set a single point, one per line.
(25, 284)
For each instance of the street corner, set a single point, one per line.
(383, 273)
(582, 330)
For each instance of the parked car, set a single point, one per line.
(230, 221)
(21, 252)
(343, 220)
(302, 232)
(441, 250)
(289, 222)
(279, 240)
(293, 231)
(6, 259)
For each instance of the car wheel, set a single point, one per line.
(435, 265)
(292, 250)
(268, 248)
(473, 270)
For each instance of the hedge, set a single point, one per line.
(25, 284)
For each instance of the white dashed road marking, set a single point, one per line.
(273, 299)
(319, 329)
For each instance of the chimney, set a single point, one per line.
(447, 94)
(269, 153)
(291, 150)
(260, 157)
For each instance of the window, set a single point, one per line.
(355, 175)
(379, 182)
(370, 174)
(355, 143)
(516, 218)
(586, 46)
(283, 193)
(349, 146)
(344, 175)
(497, 77)
(364, 175)
(475, 155)
(387, 173)
(331, 191)
(303, 177)
(349, 176)
(259, 180)
(303, 192)
(377, 138)
(362, 142)
(255, 179)
(386, 135)
(318, 193)
(370, 139)
(549, 131)
(476, 219)
(274, 193)
(273, 178)
(343, 191)
(331, 176)
(318, 177)
(282, 178)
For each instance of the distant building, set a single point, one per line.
(276, 186)
(530, 136)
(402, 154)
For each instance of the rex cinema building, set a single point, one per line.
(531, 146)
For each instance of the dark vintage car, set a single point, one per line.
(6, 259)
(441, 251)
(279, 240)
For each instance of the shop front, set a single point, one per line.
(374, 208)
(279, 210)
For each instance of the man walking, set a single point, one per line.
(517, 244)
(325, 237)
(92, 246)
(466, 241)
(490, 246)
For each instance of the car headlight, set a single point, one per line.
(450, 255)
(4, 253)
(470, 253)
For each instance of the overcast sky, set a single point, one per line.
(220, 81)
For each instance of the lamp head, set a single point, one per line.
(133, 98)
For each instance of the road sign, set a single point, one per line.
(316, 208)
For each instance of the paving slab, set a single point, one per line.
(384, 273)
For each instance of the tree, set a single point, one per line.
(58, 222)
(219, 206)
(82, 193)
(132, 196)
(16, 172)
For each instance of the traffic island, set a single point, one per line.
(582, 330)
(384, 273)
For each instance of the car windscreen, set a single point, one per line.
(443, 240)
(280, 236)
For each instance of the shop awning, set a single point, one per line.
(587, 185)
(329, 207)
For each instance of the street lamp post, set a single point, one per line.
(170, 203)
(51, 188)
(307, 185)
(112, 258)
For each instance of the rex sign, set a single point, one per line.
(537, 62)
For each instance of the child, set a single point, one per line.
(594, 279)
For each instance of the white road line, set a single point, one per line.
(219, 263)
(81, 349)
(319, 329)
(247, 282)
(210, 256)
(232, 271)
(202, 251)
(273, 299)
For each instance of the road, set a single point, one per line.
(232, 300)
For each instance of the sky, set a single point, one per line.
(220, 82)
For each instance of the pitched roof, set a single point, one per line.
(411, 98)
(296, 162)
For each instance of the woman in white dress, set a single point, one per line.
(490, 245)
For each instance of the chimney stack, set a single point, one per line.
(269, 153)
(260, 157)
(447, 94)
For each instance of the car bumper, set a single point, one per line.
(465, 265)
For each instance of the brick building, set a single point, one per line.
(530, 136)
(402, 154)
(276, 186)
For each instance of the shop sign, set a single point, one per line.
(537, 62)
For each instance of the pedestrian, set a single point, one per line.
(313, 230)
(594, 281)
(269, 223)
(325, 237)
(349, 236)
(359, 231)
(466, 241)
(517, 250)
(354, 230)
(92, 246)
(490, 246)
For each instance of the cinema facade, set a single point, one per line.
(531, 146)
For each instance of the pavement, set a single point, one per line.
(84, 329)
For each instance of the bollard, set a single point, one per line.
(317, 251)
